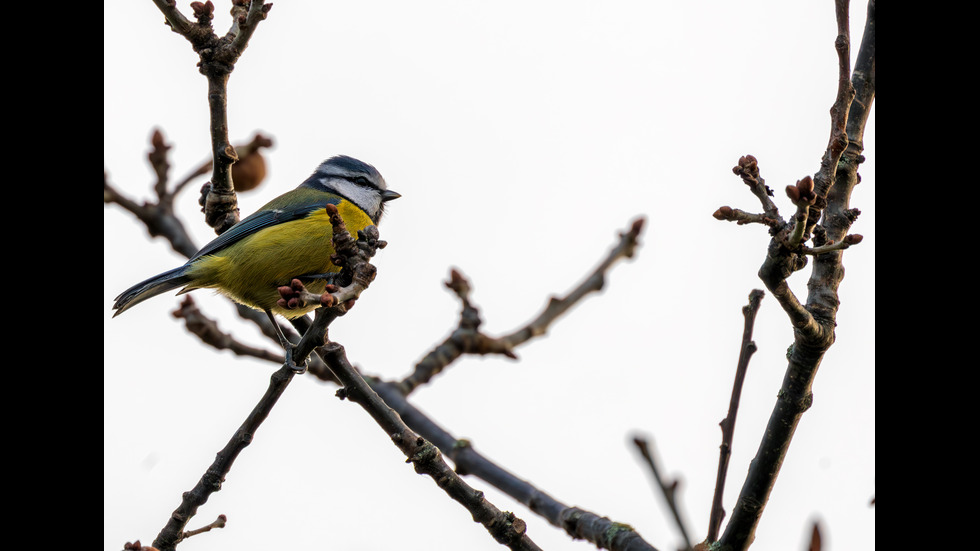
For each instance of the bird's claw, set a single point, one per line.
(298, 369)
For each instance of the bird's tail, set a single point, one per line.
(150, 288)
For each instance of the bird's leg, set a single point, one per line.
(329, 277)
(287, 346)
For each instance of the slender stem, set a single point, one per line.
(467, 339)
(212, 479)
(217, 60)
(747, 349)
(815, 336)
(667, 488)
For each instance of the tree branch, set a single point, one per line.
(173, 532)
(467, 339)
(815, 335)
(668, 489)
(747, 349)
(206, 329)
(628, 241)
(158, 217)
(748, 170)
(217, 60)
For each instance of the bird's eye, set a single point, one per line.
(362, 181)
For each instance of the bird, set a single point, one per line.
(288, 238)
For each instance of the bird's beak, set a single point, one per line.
(389, 195)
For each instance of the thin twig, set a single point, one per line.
(728, 423)
(158, 217)
(850, 239)
(628, 242)
(218, 523)
(742, 217)
(467, 339)
(748, 170)
(252, 147)
(208, 332)
(211, 482)
(668, 488)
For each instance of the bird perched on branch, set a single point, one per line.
(288, 238)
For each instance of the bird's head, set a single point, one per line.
(357, 181)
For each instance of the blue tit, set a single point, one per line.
(290, 237)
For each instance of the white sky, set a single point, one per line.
(522, 136)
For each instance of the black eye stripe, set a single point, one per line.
(361, 181)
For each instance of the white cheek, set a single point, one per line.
(368, 199)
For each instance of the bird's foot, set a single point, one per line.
(329, 277)
(298, 369)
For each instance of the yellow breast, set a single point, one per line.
(251, 270)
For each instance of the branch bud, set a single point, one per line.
(724, 213)
(203, 12)
(156, 140)
(805, 185)
(793, 193)
(802, 193)
(747, 164)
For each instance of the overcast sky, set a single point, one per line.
(523, 136)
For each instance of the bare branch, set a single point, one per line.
(158, 217)
(173, 532)
(668, 488)
(852, 239)
(746, 351)
(218, 523)
(244, 23)
(864, 86)
(467, 339)
(207, 330)
(180, 24)
(741, 217)
(748, 169)
(814, 325)
(217, 60)
(628, 241)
